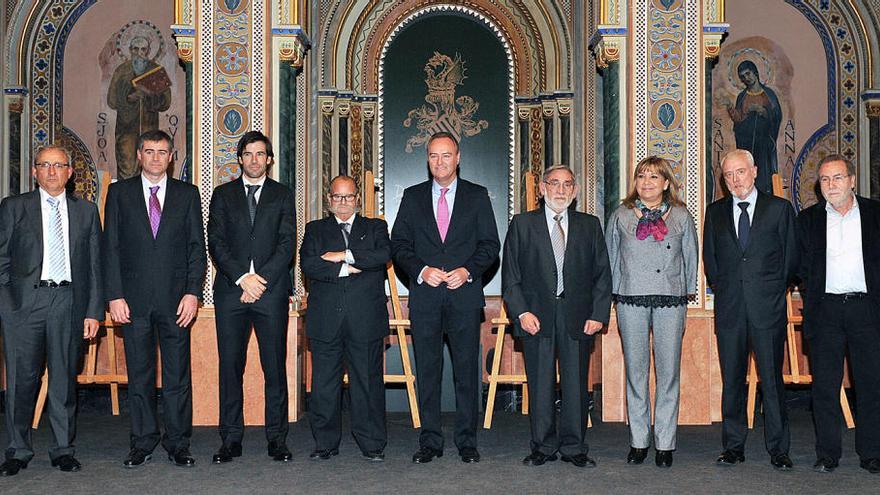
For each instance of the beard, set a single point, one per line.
(139, 65)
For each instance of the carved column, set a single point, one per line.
(872, 110)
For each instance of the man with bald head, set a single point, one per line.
(344, 257)
(840, 285)
(50, 300)
(750, 256)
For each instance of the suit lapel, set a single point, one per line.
(459, 202)
(357, 228)
(238, 201)
(428, 202)
(136, 197)
(541, 234)
(266, 196)
(34, 213)
(172, 203)
(761, 204)
(728, 219)
(74, 224)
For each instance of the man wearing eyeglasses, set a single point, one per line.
(154, 269)
(251, 238)
(50, 300)
(556, 279)
(750, 256)
(344, 258)
(840, 285)
(444, 239)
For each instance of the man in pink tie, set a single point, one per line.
(444, 239)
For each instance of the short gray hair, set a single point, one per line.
(550, 170)
(55, 147)
(744, 154)
(850, 166)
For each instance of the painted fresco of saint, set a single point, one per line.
(757, 117)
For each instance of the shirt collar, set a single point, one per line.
(44, 195)
(350, 221)
(435, 187)
(163, 182)
(247, 182)
(830, 209)
(752, 198)
(549, 213)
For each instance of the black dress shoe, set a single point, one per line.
(580, 460)
(871, 465)
(182, 458)
(373, 455)
(426, 454)
(469, 455)
(825, 465)
(323, 454)
(278, 451)
(636, 455)
(663, 458)
(537, 458)
(12, 466)
(137, 458)
(226, 453)
(729, 458)
(781, 462)
(66, 463)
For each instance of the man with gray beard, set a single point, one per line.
(136, 110)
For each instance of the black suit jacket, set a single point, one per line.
(471, 242)
(153, 274)
(812, 235)
(270, 242)
(528, 273)
(751, 281)
(21, 256)
(359, 296)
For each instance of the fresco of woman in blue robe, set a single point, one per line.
(756, 120)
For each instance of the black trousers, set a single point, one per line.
(462, 330)
(540, 352)
(839, 326)
(269, 319)
(366, 388)
(141, 337)
(733, 352)
(47, 332)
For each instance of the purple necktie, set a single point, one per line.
(155, 210)
(443, 214)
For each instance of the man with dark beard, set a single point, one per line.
(136, 110)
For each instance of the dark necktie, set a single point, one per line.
(346, 230)
(155, 210)
(743, 224)
(252, 200)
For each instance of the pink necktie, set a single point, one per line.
(155, 210)
(443, 214)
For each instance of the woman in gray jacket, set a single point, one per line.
(652, 246)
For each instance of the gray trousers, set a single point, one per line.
(635, 324)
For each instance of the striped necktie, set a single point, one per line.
(557, 238)
(57, 262)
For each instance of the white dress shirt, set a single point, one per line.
(844, 263)
(450, 202)
(47, 220)
(551, 222)
(163, 184)
(349, 258)
(246, 181)
(752, 198)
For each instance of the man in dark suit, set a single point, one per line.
(344, 257)
(750, 255)
(840, 285)
(50, 299)
(444, 238)
(557, 284)
(251, 237)
(155, 263)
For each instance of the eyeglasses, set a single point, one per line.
(837, 179)
(48, 165)
(555, 184)
(343, 198)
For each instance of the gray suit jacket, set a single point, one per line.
(651, 267)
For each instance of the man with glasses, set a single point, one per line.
(154, 268)
(557, 312)
(252, 239)
(50, 300)
(444, 239)
(750, 256)
(840, 285)
(344, 258)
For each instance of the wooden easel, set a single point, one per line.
(89, 375)
(794, 375)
